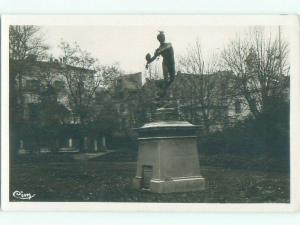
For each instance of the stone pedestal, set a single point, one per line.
(168, 158)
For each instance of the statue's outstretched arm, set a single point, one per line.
(151, 59)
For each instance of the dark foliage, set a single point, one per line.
(267, 135)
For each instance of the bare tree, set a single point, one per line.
(25, 42)
(109, 76)
(260, 67)
(82, 75)
(198, 88)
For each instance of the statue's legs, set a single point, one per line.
(165, 71)
(171, 70)
(168, 72)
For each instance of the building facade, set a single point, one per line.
(40, 105)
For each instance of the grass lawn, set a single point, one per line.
(110, 181)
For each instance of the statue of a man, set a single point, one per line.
(167, 52)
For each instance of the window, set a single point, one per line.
(238, 107)
(30, 98)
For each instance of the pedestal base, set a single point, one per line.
(185, 184)
(168, 158)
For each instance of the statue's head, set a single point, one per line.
(161, 37)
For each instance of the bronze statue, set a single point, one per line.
(167, 52)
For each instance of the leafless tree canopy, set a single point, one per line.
(195, 62)
(83, 75)
(259, 64)
(25, 41)
(199, 88)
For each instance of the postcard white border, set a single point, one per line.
(151, 20)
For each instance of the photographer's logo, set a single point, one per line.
(22, 195)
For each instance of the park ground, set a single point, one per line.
(109, 179)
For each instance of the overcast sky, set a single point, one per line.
(128, 45)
